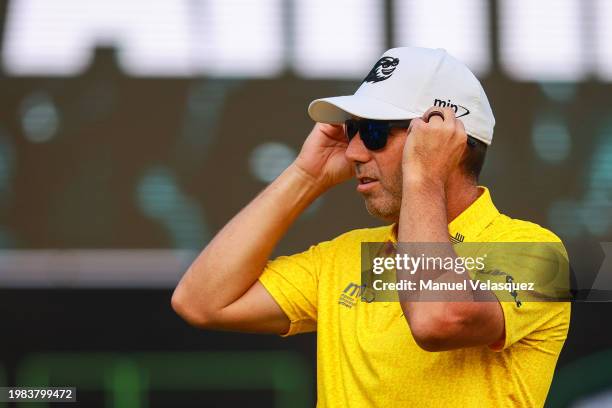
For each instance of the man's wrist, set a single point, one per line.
(313, 185)
(421, 181)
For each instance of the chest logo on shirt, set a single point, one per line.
(457, 239)
(352, 293)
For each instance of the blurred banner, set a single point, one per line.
(139, 125)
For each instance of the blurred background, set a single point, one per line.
(131, 131)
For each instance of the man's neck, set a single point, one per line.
(460, 194)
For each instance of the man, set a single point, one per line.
(404, 136)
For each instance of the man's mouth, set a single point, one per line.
(366, 184)
(366, 180)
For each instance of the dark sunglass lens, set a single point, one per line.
(374, 134)
(351, 127)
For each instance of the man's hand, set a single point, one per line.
(434, 148)
(322, 156)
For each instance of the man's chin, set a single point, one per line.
(383, 211)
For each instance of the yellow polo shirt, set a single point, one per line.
(366, 355)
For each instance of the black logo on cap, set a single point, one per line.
(459, 110)
(382, 70)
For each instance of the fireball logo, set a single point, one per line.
(382, 70)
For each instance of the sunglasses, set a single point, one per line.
(374, 133)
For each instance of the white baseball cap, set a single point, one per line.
(407, 81)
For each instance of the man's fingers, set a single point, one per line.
(415, 123)
(450, 121)
(438, 116)
(435, 117)
(460, 130)
(332, 131)
(449, 114)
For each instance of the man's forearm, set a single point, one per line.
(235, 258)
(423, 227)
(439, 320)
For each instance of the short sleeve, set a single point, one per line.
(540, 323)
(533, 290)
(292, 281)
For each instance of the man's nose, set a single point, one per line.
(356, 150)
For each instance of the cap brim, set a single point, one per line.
(337, 109)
